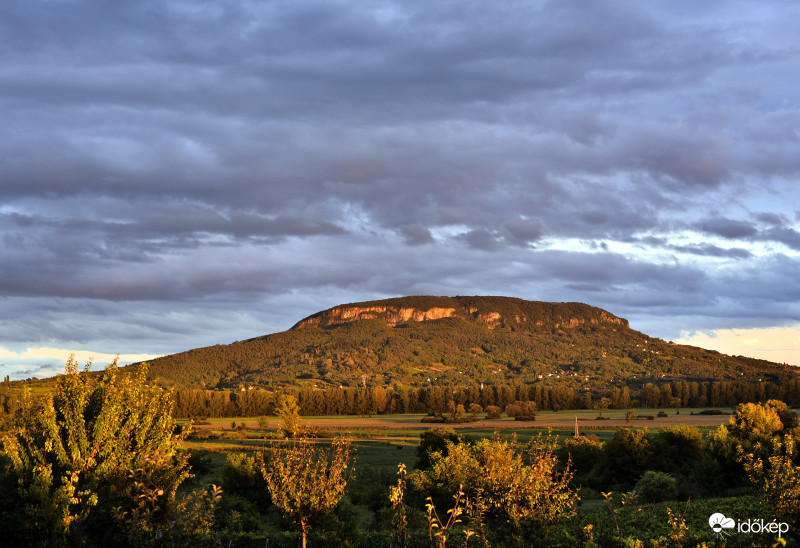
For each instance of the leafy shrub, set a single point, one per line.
(87, 456)
(509, 483)
(656, 487)
(625, 456)
(202, 435)
(370, 487)
(435, 440)
(199, 461)
(583, 451)
(241, 476)
(492, 412)
(234, 435)
(677, 449)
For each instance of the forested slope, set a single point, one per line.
(418, 341)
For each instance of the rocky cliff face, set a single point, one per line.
(390, 315)
(524, 312)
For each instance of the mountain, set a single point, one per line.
(419, 340)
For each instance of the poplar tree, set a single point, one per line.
(289, 413)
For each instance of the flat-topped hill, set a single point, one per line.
(419, 340)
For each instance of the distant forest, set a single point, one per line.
(506, 397)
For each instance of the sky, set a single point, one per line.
(180, 174)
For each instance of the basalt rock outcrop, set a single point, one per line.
(490, 311)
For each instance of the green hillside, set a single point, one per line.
(416, 341)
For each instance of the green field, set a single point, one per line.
(384, 441)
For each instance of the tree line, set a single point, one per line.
(442, 399)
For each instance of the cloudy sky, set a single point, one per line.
(179, 174)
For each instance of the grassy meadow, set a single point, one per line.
(387, 440)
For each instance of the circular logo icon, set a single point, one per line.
(718, 522)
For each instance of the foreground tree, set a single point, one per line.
(765, 437)
(306, 481)
(82, 451)
(778, 478)
(288, 411)
(514, 486)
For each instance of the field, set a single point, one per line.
(384, 441)
(629, 477)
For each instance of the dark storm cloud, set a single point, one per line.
(238, 155)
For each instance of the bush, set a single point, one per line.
(241, 476)
(492, 412)
(435, 439)
(656, 487)
(625, 456)
(203, 434)
(515, 485)
(512, 410)
(583, 451)
(98, 457)
(199, 461)
(234, 435)
(460, 420)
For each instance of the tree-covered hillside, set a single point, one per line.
(488, 340)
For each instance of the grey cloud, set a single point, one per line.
(587, 287)
(417, 235)
(524, 231)
(787, 236)
(775, 231)
(708, 250)
(728, 228)
(595, 217)
(194, 156)
(771, 218)
(482, 239)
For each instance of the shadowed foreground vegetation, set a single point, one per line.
(100, 461)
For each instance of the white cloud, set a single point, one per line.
(777, 344)
(82, 356)
(46, 362)
(7, 353)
